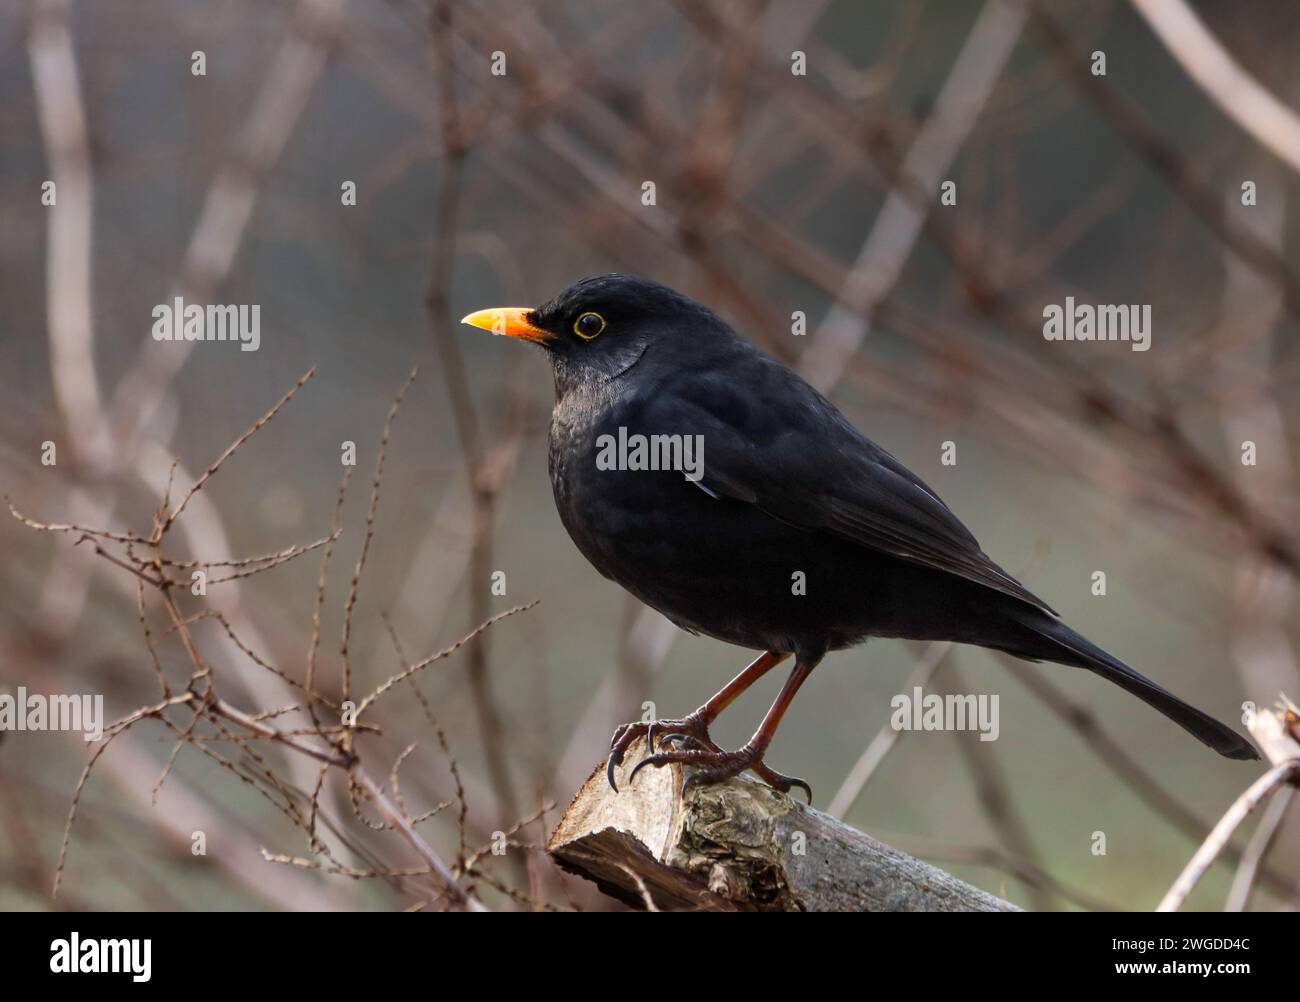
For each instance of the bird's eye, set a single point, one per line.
(589, 325)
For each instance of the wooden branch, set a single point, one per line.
(1276, 732)
(739, 846)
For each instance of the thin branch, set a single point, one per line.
(1243, 882)
(445, 652)
(1239, 95)
(371, 509)
(422, 848)
(210, 472)
(1205, 856)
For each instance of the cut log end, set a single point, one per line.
(739, 846)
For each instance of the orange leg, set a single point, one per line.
(694, 726)
(716, 765)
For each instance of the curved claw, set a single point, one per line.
(692, 734)
(623, 738)
(781, 782)
(714, 764)
(683, 757)
(807, 790)
(656, 759)
(718, 766)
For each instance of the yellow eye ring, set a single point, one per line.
(585, 328)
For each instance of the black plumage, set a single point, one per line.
(787, 485)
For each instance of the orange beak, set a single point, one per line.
(512, 321)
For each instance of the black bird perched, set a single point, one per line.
(779, 488)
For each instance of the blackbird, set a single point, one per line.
(718, 487)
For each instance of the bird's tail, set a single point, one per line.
(1072, 649)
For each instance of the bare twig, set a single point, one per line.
(439, 655)
(1243, 882)
(1254, 795)
(371, 510)
(211, 471)
(1238, 94)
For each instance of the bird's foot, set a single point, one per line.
(715, 765)
(689, 730)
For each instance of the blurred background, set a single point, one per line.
(499, 152)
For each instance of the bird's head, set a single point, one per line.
(600, 327)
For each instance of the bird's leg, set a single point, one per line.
(694, 727)
(717, 765)
(702, 717)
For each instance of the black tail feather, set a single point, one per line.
(1079, 652)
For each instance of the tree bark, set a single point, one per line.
(739, 846)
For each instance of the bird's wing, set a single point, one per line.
(772, 441)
